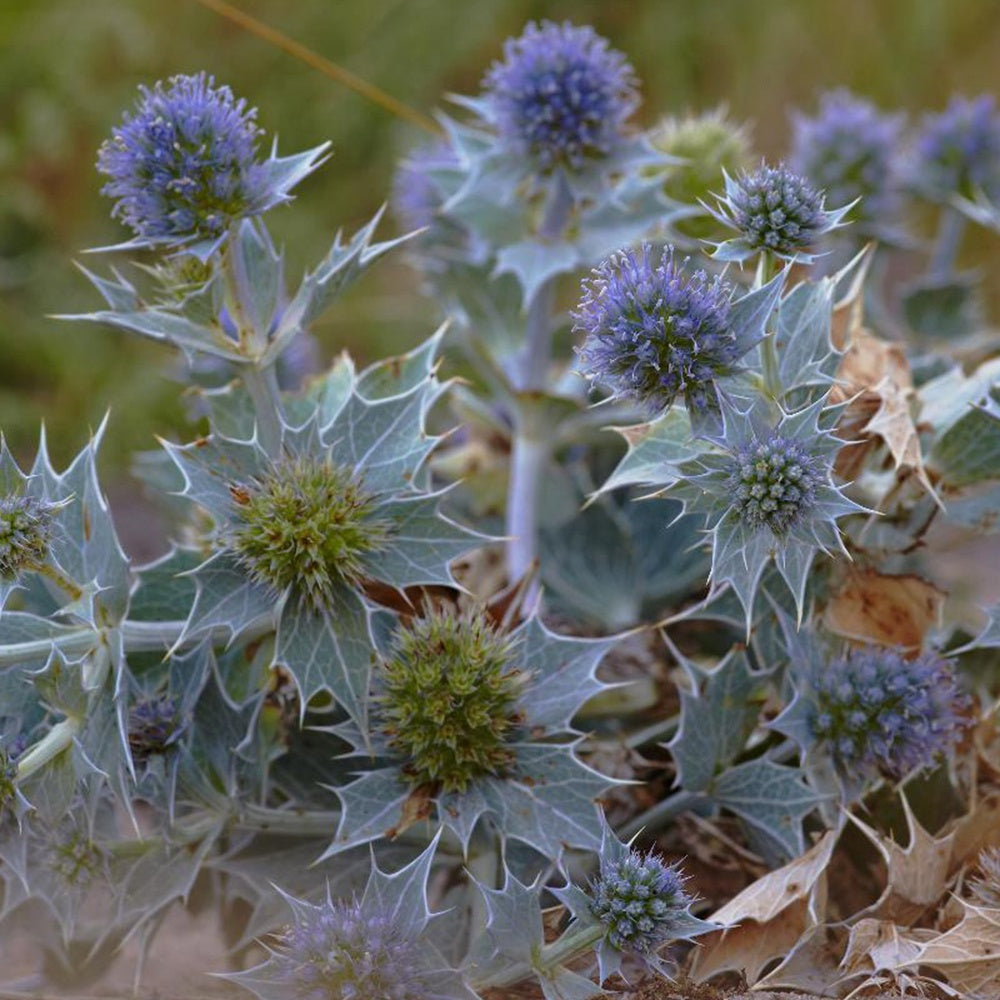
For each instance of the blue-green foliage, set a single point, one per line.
(382, 641)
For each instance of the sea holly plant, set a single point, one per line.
(444, 685)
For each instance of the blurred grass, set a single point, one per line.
(69, 69)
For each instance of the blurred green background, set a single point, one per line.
(69, 68)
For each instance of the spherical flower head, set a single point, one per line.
(984, 886)
(773, 482)
(183, 165)
(958, 150)
(448, 701)
(881, 713)
(416, 198)
(25, 534)
(709, 144)
(561, 95)
(776, 210)
(154, 725)
(654, 333)
(640, 900)
(849, 150)
(338, 951)
(304, 527)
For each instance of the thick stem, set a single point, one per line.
(262, 385)
(951, 229)
(71, 644)
(656, 817)
(153, 637)
(58, 739)
(528, 462)
(539, 328)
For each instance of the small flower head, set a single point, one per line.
(449, 699)
(958, 150)
(773, 482)
(154, 725)
(880, 713)
(416, 198)
(654, 333)
(76, 860)
(709, 144)
(776, 211)
(339, 950)
(8, 772)
(640, 900)
(25, 533)
(183, 165)
(850, 150)
(304, 527)
(984, 886)
(561, 95)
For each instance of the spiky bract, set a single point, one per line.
(654, 332)
(449, 699)
(304, 526)
(984, 886)
(881, 713)
(958, 151)
(154, 725)
(184, 164)
(338, 951)
(639, 899)
(25, 533)
(850, 150)
(774, 482)
(561, 95)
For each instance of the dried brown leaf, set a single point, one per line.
(768, 918)
(969, 953)
(917, 876)
(813, 965)
(877, 945)
(889, 610)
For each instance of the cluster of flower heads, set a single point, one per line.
(850, 150)
(25, 533)
(881, 713)
(775, 210)
(774, 482)
(449, 699)
(958, 150)
(654, 333)
(640, 900)
(184, 163)
(561, 95)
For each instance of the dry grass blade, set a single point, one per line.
(343, 76)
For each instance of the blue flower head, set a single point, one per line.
(183, 165)
(640, 901)
(154, 726)
(654, 333)
(850, 150)
(878, 712)
(560, 96)
(416, 197)
(775, 211)
(958, 151)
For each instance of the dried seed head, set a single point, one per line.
(25, 533)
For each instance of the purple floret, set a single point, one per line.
(183, 165)
(561, 95)
(958, 150)
(881, 713)
(654, 332)
(850, 150)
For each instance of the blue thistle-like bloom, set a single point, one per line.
(25, 533)
(184, 165)
(774, 482)
(881, 713)
(850, 150)
(775, 211)
(640, 900)
(340, 950)
(416, 197)
(561, 95)
(958, 150)
(654, 333)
